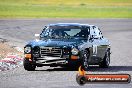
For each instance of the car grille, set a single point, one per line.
(51, 51)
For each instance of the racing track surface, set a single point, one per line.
(19, 31)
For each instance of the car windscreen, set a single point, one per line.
(65, 32)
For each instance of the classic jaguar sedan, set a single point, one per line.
(68, 44)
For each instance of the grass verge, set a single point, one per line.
(65, 9)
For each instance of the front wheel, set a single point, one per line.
(28, 65)
(85, 57)
(106, 61)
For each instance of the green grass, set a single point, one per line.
(65, 8)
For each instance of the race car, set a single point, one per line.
(67, 44)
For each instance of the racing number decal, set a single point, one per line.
(95, 50)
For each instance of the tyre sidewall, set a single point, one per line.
(85, 57)
(28, 65)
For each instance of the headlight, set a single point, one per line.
(27, 49)
(74, 51)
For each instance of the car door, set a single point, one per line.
(94, 40)
(104, 44)
(97, 42)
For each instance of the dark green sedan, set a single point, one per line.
(67, 44)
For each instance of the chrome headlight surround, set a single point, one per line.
(75, 51)
(27, 49)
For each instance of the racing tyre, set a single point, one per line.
(106, 61)
(28, 65)
(85, 57)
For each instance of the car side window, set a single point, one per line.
(97, 32)
(94, 32)
(100, 34)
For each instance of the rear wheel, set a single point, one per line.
(106, 61)
(28, 65)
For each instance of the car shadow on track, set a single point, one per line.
(111, 69)
(93, 69)
(59, 69)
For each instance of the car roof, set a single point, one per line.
(70, 24)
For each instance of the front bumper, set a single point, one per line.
(56, 61)
(51, 60)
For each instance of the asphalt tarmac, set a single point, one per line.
(19, 31)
